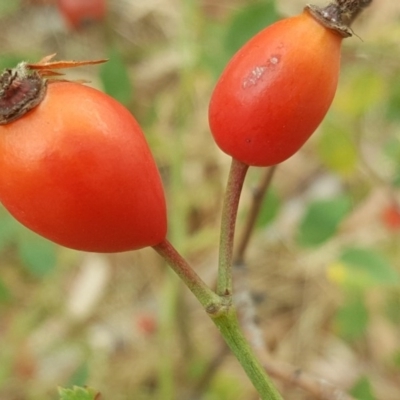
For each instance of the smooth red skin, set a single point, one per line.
(78, 171)
(275, 91)
(76, 12)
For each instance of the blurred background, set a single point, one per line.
(323, 265)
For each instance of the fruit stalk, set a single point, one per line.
(236, 178)
(207, 298)
(223, 314)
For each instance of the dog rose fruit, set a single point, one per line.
(75, 166)
(278, 87)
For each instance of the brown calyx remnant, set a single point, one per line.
(24, 87)
(20, 91)
(338, 15)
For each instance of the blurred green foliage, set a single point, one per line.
(393, 102)
(352, 317)
(361, 91)
(269, 209)
(247, 22)
(241, 25)
(9, 7)
(321, 220)
(336, 148)
(362, 390)
(38, 255)
(366, 267)
(115, 77)
(78, 393)
(80, 376)
(5, 294)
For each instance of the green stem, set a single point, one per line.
(223, 314)
(228, 325)
(234, 186)
(219, 306)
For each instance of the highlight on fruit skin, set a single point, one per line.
(76, 167)
(278, 87)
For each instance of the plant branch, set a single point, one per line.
(207, 298)
(234, 186)
(223, 314)
(319, 388)
(228, 325)
(258, 198)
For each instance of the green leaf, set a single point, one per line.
(37, 253)
(336, 149)
(269, 209)
(80, 376)
(250, 20)
(362, 390)
(366, 267)
(115, 78)
(78, 393)
(322, 219)
(352, 318)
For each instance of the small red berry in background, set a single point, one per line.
(78, 12)
(276, 90)
(146, 324)
(75, 166)
(391, 217)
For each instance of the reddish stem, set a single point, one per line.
(208, 299)
(236, 178)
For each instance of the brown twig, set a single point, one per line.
(319, 388)
(237, 175)
(258, 198)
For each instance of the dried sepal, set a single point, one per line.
(46, 64)
(339, 14)
(20, 91)
(22, 88)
